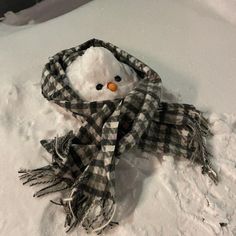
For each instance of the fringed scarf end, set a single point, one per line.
(200, 130)
(93, 213)
(44, 176)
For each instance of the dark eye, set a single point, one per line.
(99, 86)
(118, 78)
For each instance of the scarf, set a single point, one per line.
(83, 162)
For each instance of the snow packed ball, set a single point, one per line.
(97, 76)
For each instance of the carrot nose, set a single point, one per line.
(112, 86)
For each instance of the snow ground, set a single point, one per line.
(42, 11)
(194, 51)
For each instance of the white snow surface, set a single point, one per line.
(194, 52)
(42, 11)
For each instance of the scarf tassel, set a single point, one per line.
(200, 129)
(44, 176)
(93, 213)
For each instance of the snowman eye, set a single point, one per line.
(118, 78)
(99, 86)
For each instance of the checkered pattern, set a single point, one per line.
(84, 163)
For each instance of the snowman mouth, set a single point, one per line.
(112, 86)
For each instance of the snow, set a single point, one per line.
(42, 11)
(193, 49)
(224, 9)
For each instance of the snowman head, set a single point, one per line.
(97, 75)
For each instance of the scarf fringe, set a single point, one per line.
(200, 129)
(46, 175)
(93, 213)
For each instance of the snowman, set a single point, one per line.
(97, 76)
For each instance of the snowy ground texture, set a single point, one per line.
(191, 44)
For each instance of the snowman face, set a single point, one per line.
(98, 76)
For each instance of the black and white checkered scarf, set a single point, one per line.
(83, 163)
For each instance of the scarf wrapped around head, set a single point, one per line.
(83, 163)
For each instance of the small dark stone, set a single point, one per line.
(118, 78)
(99, 86)
(222, 224)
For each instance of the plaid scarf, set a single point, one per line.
(83, 163)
